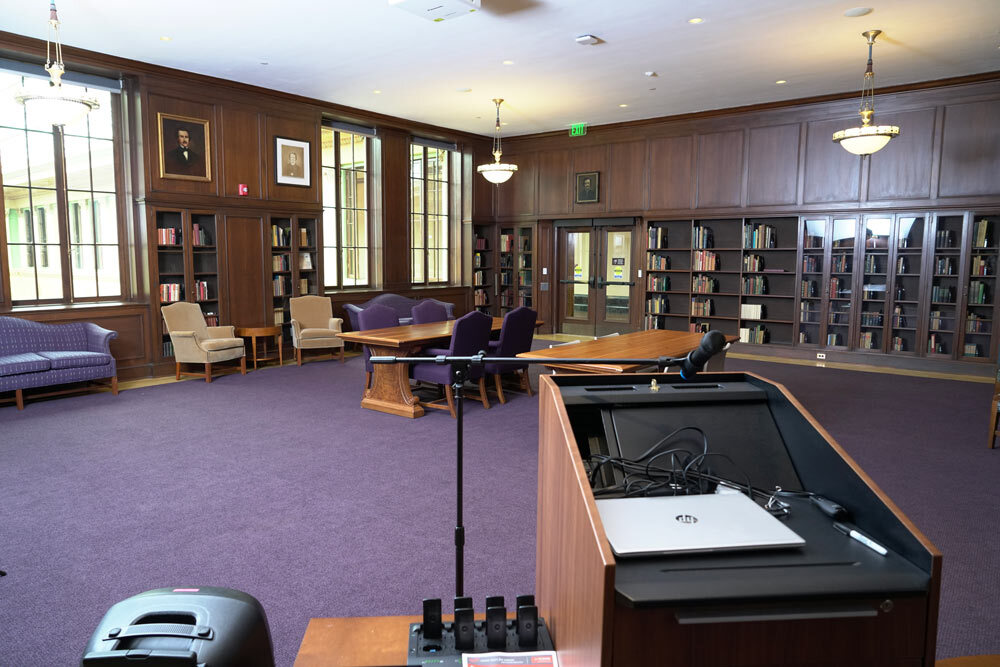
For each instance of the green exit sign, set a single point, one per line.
(577, 129)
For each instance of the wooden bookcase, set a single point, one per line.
(911, 284)
(484, 268)
(295, 263)
(516, 267)
(185, 266)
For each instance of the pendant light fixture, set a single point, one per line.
(496, 171)
(48, 101)
(867, 138)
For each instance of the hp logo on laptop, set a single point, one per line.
(686, 518)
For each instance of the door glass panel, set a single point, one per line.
(578, 270)
(617, 272)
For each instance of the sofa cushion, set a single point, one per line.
(26, 362)
(75, 359)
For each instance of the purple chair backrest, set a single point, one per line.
(429, 311)
(471, 334)
(376, 317)
(516, 332)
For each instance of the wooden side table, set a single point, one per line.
(253, 333)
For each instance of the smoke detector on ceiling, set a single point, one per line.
(438, 10)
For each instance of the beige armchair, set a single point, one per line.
(314, 326)
(196, 343)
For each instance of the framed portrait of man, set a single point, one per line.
(587, 187)
(184, 148)
(291, 160)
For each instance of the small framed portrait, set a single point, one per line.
(184, 148)
(291, 160)
(587, 187)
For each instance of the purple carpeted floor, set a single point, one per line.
(280, 485)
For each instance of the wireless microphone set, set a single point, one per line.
(441, 643)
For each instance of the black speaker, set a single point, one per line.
(183, 627)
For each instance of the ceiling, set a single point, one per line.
(343, 51)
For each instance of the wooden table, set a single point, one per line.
(253, 333)
(390, 383)
(650, 344)
(377, 641)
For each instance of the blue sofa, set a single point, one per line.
(33, 354)
(402, 305)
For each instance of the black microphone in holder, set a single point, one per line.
(460, 368)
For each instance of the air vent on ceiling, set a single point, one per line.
(438, 10)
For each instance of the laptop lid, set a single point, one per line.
(691, 524)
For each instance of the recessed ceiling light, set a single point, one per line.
(623, 105)
(377, 92)
(781, 82)
(263, 62)
(858, 11)
(503, 123)
(165, 38)
(463, 90)
(652, 88)
(696, 20)
(650, 74)
(508, 62)
(586, 40)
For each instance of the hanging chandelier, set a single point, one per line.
(867, 138)
(48, 101)
(496, 171)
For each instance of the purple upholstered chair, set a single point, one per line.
(470, 335)
(429, 310)
(375, 317)
(516, 334)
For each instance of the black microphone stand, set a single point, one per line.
(460, 371)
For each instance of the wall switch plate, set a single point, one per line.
(821, 355)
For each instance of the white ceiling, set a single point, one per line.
(342, 51)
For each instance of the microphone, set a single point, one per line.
(712, 343)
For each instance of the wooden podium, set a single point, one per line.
(835, 602)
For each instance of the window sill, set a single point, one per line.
(69, 307)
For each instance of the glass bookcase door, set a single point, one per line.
(943, 312)
(981, 288)
(905, 294)
(874, 282)
(811, 281)
(839, 288)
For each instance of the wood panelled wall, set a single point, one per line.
(243, 123)
(771, 160)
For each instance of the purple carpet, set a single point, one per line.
(280, 485)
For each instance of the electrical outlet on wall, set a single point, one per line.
(821, 355)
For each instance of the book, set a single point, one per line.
(305, 261)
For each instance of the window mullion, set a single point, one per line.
(62, 214)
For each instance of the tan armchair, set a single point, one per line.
(314, 326)
(196, 343)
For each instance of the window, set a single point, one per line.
(430, 206)
(60, 203)
(346, 229)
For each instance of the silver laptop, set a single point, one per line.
(691, 524)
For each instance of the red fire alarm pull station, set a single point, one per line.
(244, 190)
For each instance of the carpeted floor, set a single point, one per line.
(279, 485)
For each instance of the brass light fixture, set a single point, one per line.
(867, 138)
(496, 171)
(49, 101)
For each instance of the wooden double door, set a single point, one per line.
(598, 289)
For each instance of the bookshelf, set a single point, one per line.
(875, 262)
(840, 284)
(506, 280)
(734, 275)
(942, 314)
(525, 266)
(905, 291)
(980, 289)
(812, 278)
(484, 284)
(187, 265)
(295, 265)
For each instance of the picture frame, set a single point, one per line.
(292, 164)
(184, 147)
(588, 188)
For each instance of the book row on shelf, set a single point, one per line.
(756, 334)
(755, 285)
(657, 263)
(279, 316)
(702, 237)
(168, 236)
(657, 238)
(981, 266)
(942, 294)
(759, 236)
(658, 283)
(978, 293)
(753, 263)
(506, 243)
(282, 287)
(480, 243)
(201, 290)
(199, 235)
(871, 319)
(280, 236)
(981, 234)
(751, 311)
(702, 307)
(705, 260)
(837, 291)
(977, 324)
(657, 304)
(943, 266)
(841, 264)
(944, 238)
(279, 263)
(873, 264)
(704, 284)
(970, 350)
(939, 320)
(808, 289)
(868, 340)
(479, 278)
(171, 292)
(481, 298)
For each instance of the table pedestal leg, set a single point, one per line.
(390, 386)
